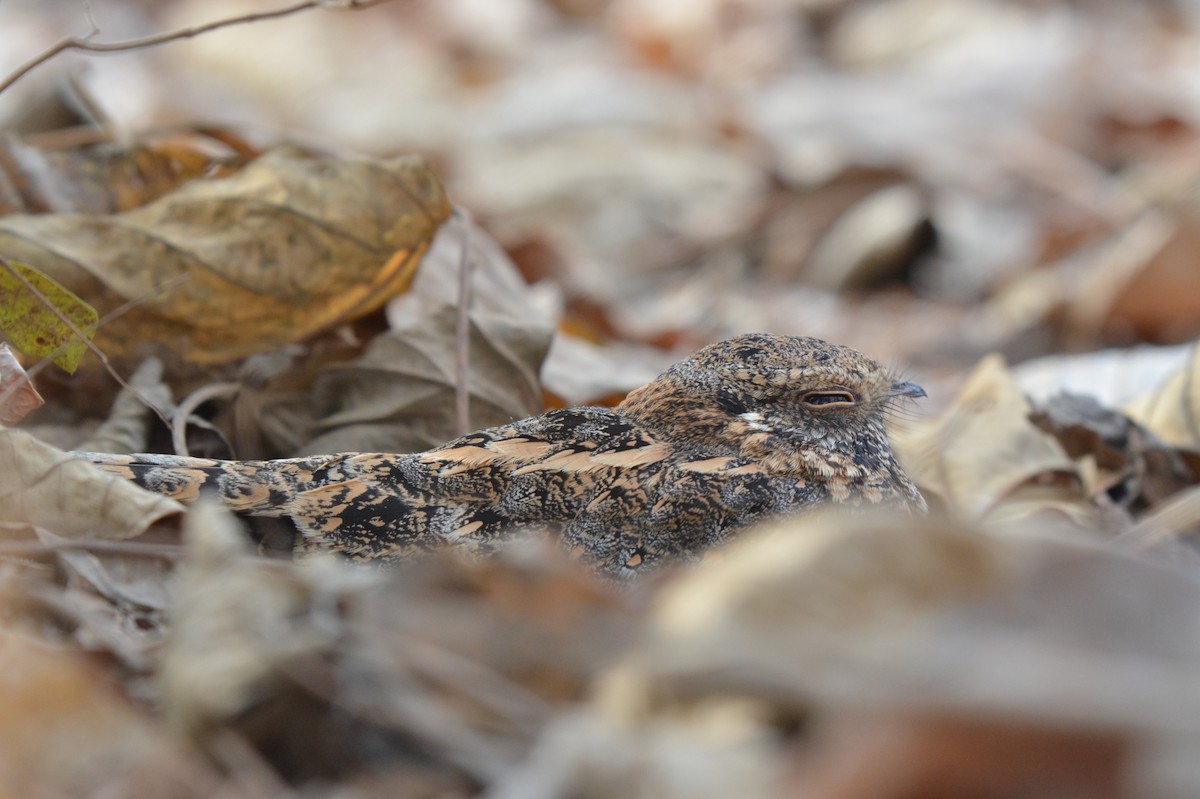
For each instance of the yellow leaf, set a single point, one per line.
(33, 327)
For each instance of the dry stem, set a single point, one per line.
(84, 44)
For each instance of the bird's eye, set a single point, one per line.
(827, 398)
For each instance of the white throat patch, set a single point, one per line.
(755, 420)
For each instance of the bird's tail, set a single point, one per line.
(261, 488)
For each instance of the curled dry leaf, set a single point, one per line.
(832, 575)
(118, 579)
(47, 487)
(530, 613)
(579, 372)
(128, 424)
(1128, 465)
(1170, 528)
(400, 395)
(985, 447)
(227, 267)
(18, 397)
(872, 242)
(1172, 411)
(109, 176)
(496, 286)
(806, 217)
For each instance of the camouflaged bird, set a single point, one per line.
(751, 427)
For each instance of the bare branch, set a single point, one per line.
(86, 45)
(462, 334)
(132, 548)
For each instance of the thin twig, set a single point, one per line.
(183, 415)
(91, 19)
(129, 305)
(137, 549)
(82, 337)
(133, 548)
(76, 43)
(462, 386)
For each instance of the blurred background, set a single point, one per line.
(930, 181)
(927, 180)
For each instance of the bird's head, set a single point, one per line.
(787, 402)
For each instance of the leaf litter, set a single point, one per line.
(903, 176)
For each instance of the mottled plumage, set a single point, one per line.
(753, 426)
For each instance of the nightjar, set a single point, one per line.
(748, 428)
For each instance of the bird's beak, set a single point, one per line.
(906, 389)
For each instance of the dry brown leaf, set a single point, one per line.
(1112, 377)
(325, 668)
(965, 642)
(530, 613)
(227, 267)
(832, 615)
(255, 649)
(18, 397)
(49, 488)
(804, 217)
(68, 733)
(1160, 301)
(465, 659)
(399, 394)
(130, 635)
(119, 580)
(496, 285)
(399, 397)
(984, 447)
(1172, 411)
(831, 574)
